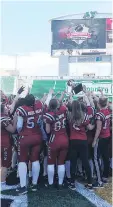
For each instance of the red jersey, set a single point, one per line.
(57, 121)
(79, 132)
(30, 116)
(5, 135)
(104, 116)
(90, 112)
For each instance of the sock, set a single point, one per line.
(22, 169)
(61, 174)
(51, 172)
(67, 167)
(30, 174)
(17, 171)
(14, 159)
(35, 172)
(92, 167)
(45, 166)
(3, 183)
(4, 173)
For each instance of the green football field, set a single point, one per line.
(65, 198)
(45, 197)
(52, 198)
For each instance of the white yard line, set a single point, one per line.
(18, 200)
(6, 187)
(22, 201)
(91, 196)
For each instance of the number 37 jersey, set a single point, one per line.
(30, 117)
(57, 121)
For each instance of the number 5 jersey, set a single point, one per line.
(30, 117)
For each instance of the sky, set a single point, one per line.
(25, 26)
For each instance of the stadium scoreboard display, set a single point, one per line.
(76, 37)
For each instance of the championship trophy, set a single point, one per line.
(73, 87)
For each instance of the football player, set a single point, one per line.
(101, 140)
(7, 126)
(78, 141)
(55, 119)
(30, 140)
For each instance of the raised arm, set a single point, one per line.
(12, 106)
(49, 97)
(62, 96)
(11, 127)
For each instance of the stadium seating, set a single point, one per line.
(7, 84)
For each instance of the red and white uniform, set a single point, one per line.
(30, 135)
(90, 112)
(6, 148)
(79, 132)
(104, 116)
(58, 142)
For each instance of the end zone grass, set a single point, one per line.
(106, 192)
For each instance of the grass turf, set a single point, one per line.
(54, 198)
(106, 192)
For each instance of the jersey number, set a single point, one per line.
(106, 125)
(30, 122)
(60, 125)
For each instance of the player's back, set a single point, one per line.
(104, 116)
(30, 117)
(79, 131)
(57, 120)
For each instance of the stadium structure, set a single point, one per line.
(78, 38)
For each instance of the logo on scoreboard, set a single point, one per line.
(79, 33)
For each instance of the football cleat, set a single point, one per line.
(98, 185)
(72, 186)
(33, 188)
(21, 191)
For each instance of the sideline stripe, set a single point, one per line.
(18, 200)
(6, 187)
(91, 196)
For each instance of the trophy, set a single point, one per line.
(74, 87)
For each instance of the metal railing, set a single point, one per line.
(65, 77)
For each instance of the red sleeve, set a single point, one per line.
(49, 118)
(20, 111)
(5, 121)
(99, 116)
(90, 111)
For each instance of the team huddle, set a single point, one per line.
(66, 136)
